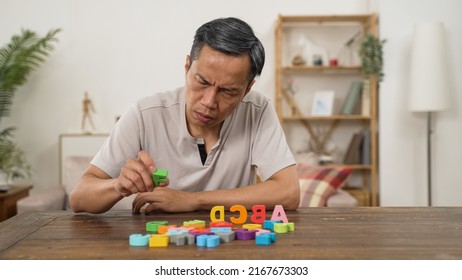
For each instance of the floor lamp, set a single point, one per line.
(428, 79)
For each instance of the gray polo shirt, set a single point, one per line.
(251, 138)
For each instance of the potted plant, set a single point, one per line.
(371, 54)
(18, 59)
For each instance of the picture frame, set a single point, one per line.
(323, 103)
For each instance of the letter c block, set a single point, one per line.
(242, 214)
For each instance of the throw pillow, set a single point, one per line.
(318, 183)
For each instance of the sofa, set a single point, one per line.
(319, 187)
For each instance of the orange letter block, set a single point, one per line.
(242, 214)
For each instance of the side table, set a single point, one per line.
(8, 200)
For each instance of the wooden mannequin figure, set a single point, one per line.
(87, 111)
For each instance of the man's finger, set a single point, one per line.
(146, 159)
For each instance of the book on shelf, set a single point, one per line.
(366, 147)
(352, 100)
(359, 148)
(323, 103)
(366, 99)
(353, 153)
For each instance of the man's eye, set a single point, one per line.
(229, 93)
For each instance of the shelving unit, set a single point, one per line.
(331, 32)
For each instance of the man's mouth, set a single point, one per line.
(203, 117)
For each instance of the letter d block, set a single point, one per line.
(213, 215)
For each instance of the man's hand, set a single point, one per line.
(136, 175)
(165, 200)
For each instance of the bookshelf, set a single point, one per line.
(301, 38)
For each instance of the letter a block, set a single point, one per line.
(279, 214)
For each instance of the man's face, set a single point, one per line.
(215, 85)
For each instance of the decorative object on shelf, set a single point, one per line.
(347, 52)
(290, 88)
(323, 103)
(371, 53)
(300, 48)
(298, 61)
(322, 148)
(351, 102)
(18, 59)
(429, 79)
(333, 62)
(87, 111)
(317, 60)
(310, 52)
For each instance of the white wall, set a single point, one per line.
(403, 143)
(122, 50)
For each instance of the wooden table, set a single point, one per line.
(320, 233)
(8, 200)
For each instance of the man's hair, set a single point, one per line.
(231, 36)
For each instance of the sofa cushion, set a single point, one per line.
(317, 183)
(48, 200)
(341, 198)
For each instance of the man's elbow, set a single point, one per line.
(292, 200)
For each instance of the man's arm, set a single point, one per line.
(281, 189)
(97, 192)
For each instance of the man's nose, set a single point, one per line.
(209, 98)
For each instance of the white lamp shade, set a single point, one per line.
(428, 80)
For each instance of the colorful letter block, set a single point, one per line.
(182, 239)
(226, 237)
(199, 224)
(265, 238)
(221, 225)
(269, 224)
(139, 239)
(208, 240)
(242, 214)
(159, 240)
(159, 176)
(259, 214)
(279, 214)
(213, 215)
(245, 234)
(154, 225)
(284, 227)
(251, 226)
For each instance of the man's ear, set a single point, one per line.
(187, 64)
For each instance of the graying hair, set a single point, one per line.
(231, 36)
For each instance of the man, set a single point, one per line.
(211, 135)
